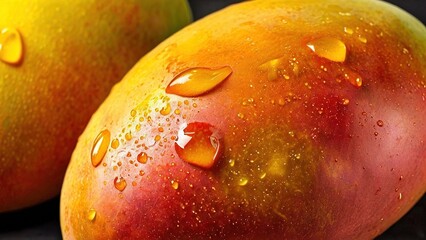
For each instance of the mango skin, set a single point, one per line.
(334, 169)
(74, 52)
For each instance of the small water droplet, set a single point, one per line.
(100, 147)
(175, 184)
(142, 157)
(166, 110)
(133, 113)
(128, 136)
(157, 138)
(91, 214)
(198, 143)
(120, 183)
(362, 39)
(115, 143)
(243, 181)
(141, 173)
(263, 175)
(400, 196)
(240, 115)
(376, 134)
(231, 162)
(348, 30)
(380, 123)
(353, 78)
(345, 101)
(11, 46)
(197, 81)
(330, 48)
(405, 51)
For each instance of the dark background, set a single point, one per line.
(42, 221)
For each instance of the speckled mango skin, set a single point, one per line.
(74, 52)
(309, 157)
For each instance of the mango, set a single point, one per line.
(272, 119)
(58, 61)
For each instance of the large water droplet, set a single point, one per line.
(100, 147)
(11, 46)
(120, 183)
(330, 48)
(198, 143)
(91, 215)
(197, 81)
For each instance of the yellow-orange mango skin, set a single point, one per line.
(73, 53)
(311, 148)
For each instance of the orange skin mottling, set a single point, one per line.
(73, 53)
(303, 155)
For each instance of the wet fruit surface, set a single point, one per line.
(58, 62)
(316, 118)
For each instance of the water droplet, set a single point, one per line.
(240, 115)
(231, 162)
(142, 157)
(166, 110)
(362, 39)
(133, 113)
(120, 183)
(100, 147)
(198, 143)
(330, 48)
(11, 46)
(128, 136)
(405, 51)
(380, 123)
(91, 215)
(141, 173)
(175, 184)
(345, 101)
(243, 181)
(197, 81)
(376, 134)
(115, 143)
(353, 78)
(400, 196)
(348, 30)
(263, 175)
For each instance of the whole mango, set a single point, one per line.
(273, 119)
(58, 61)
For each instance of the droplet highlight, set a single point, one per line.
(11, 46)
(199, 144)
(330, 48)
(197, 81)
(100, 147)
